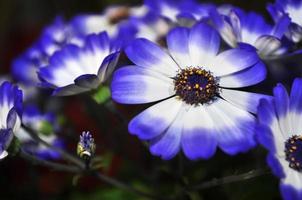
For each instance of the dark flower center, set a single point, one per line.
(293, 152)
(195, 86)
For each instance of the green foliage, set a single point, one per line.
(102, 94)
(46, 128)
(14, 147)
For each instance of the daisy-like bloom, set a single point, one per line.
(198, 112)
(292, 8)
(86, 146)
(53, 37)
(75, 69)
(10, 115)
(174, 11)
(238, 28)
(45, 125)
(109, 21)
(280, 132)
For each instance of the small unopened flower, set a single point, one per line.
(86, 146)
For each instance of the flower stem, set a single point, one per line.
(63, 153)
(230, 179)
(55, 166)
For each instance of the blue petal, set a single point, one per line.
(98, 42)
(245, 100)
(133, 85)
(6, 137)
(198, 138)
(244, 78)
(274, 164)
(266, 112)
(204, 42)
(235, 128)
(12, 118)
(296, 96)
(146, 54)
(10, 96)
(234, 60)
(177, 41)
(87, 81)
(108, 65)
(168, 144)
(154, 120)
(265, 137)
(69, 90)
(281, 100)
(24, 70)
(281, 26)
(290, 193)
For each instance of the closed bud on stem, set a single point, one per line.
(86, 146)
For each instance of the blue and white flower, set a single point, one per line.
(75, 69)
(10, 115)
(200, 109)
(238, 28)
(279, 131)
(33, 118)
(177, 11)
(293, 9)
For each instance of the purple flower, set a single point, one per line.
(197, 112)
(45, 125)
(10, 115)
(239, 28)
(75, 69)
(279, 131)
(293, 9)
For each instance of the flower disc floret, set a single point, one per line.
(293, 150)
(195, 86)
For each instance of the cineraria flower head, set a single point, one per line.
(280, 132)
(199, 106)
(45, 125)
(238, 28)
(290, 8)
(75, 69)
(86, 145)
(184, 12)
(10, 115)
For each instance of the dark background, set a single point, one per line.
(21, 22)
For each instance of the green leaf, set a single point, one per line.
(46, 128)
(14, 147)
(102, 94)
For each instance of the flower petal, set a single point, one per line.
(244, 100)
(87, 81)
(198, 137)
(235, 127)
(204, 43)
(233, 60)
(177, 41)
(295, 106)
(244, 78)
(155, 120)
(133, 84)
(267, 117)
(168, 144)
(148, 55)
(69, 90)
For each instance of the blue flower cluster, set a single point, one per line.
(193, 61)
